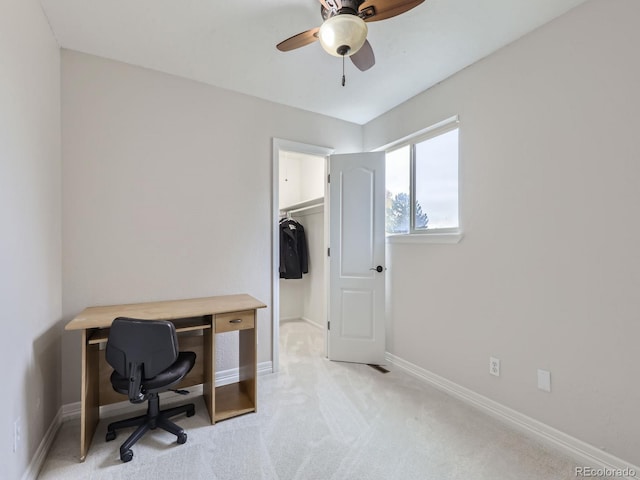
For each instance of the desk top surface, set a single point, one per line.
(101, 317)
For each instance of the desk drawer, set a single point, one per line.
(228, 322)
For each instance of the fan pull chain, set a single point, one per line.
(343, 78)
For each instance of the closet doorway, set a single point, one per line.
(299, 193)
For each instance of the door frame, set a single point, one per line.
(279, 145)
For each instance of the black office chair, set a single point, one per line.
(146, 361)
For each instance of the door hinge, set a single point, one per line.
(328, 252)
(328, 325)
(329, 178)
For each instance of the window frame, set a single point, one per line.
(426, 235)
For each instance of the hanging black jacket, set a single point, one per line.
(294, 255)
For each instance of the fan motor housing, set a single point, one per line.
(349, 7)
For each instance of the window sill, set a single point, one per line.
(438, 238)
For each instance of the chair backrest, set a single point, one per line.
(141, 349)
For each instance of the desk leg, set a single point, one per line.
(90, 408)
(248, 364)
(209, 367)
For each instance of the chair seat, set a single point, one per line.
(167, 378)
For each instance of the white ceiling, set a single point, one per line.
(231, 44)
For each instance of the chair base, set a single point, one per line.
(154, 418)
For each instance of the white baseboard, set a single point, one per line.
(31, 473)
(304, 319)
(312, 323)
(265, 368)
(232, 375)
(586, 454)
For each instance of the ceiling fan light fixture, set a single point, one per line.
(343, 35)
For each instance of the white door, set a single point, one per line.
(357, 263)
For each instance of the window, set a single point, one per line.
(422, 183)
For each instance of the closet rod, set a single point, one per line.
(301, 207)
(297, 210)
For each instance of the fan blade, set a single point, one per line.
(386, 8)
(364, 58)
(299, 40)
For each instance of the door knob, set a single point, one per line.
(378, 269)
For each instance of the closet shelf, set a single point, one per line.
(302, 206)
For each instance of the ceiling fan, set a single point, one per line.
(344, 31)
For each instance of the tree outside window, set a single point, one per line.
(398, 214)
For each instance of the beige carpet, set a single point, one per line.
(323, 420)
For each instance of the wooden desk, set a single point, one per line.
(210, 315)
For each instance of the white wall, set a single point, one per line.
(30, 243)
(547, 273)
(301, 178)
(167, 191)
(289, 192)
(313, 177)
(314, 301)
(292, 293)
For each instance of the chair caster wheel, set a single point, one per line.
(191, 413)
(126, 456)
(110, 436)
(182, 438)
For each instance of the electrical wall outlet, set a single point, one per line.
(544, 380)
(494, 366)
(16, 434)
